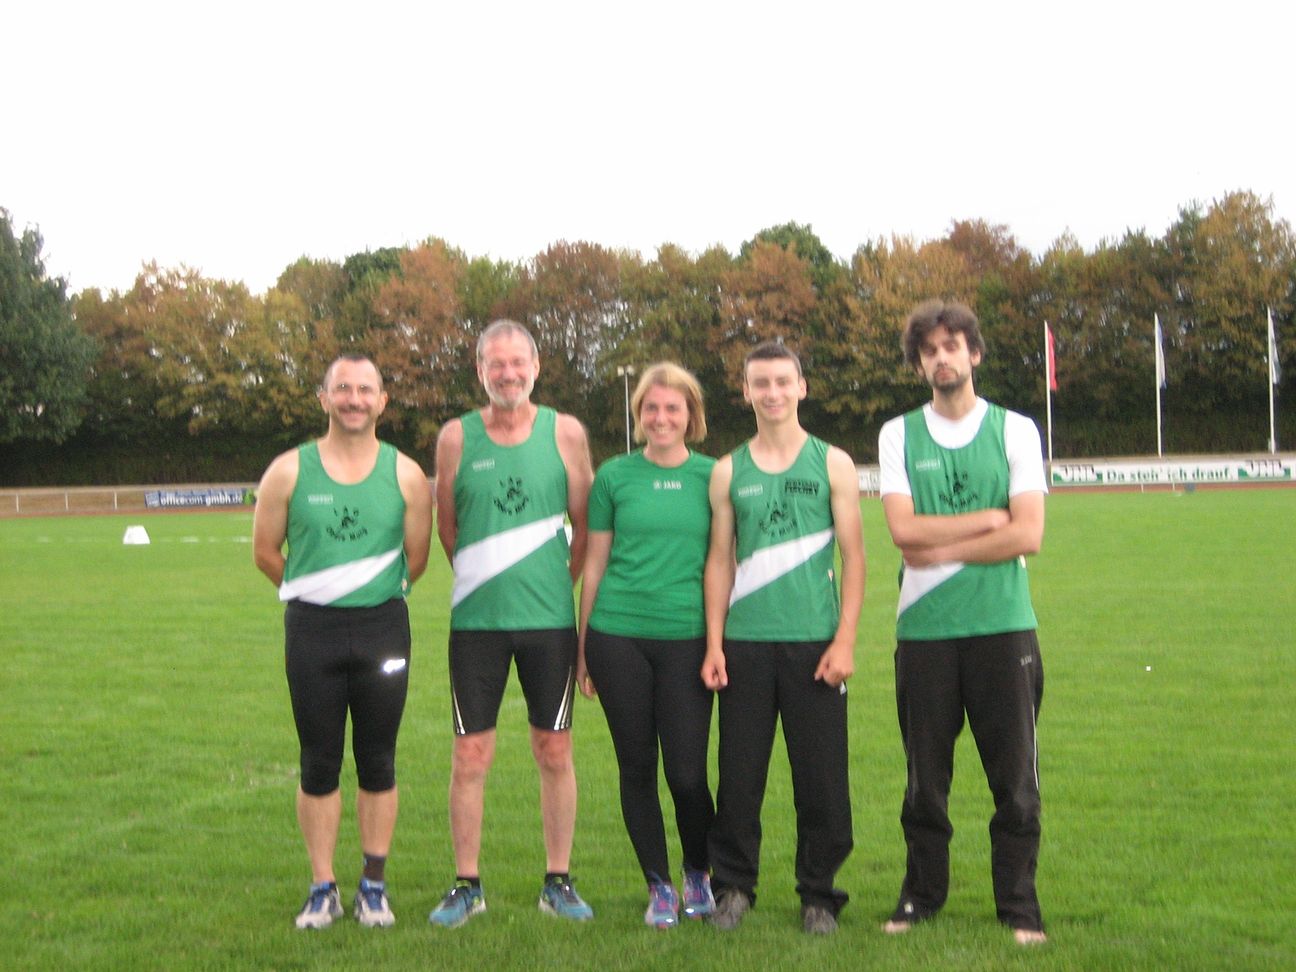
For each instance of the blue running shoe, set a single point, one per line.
(372, 909)
(322, 905)
(663, 906)
(558, 897)
(698, 900)
(460, 903)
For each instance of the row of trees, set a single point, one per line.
(184, 365)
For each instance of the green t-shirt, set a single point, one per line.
(660, 520)
(961, 600)
(346, 542)
(785, 586)
(511, 554)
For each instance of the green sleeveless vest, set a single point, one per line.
(785, 585)
(961, 600)
(511, 555)
(346, 543)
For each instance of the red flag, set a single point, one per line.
(1052, 363)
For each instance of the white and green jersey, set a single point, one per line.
(660, 521)
(976, 463)
(785, 586)
(511, 554)
(346, 542)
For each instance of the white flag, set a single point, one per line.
(1275, 370)
(1160, 354)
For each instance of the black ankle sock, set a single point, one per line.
(374, 866)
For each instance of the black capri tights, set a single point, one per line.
(340, 659)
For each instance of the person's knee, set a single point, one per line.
(319, 772)
(376, 771)
(553, 751)
(1018, 812)
(471, 759)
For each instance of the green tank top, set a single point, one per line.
(961, 600)
(346, 543)
(785, 586)
(660, 520)
(511, 556)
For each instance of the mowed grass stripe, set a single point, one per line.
(150, 763)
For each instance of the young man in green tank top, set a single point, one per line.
(508, 476)
(781, 640)
(357, 519)
(963, 486)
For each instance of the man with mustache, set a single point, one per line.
(508, 475)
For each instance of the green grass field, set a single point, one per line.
(149, 766)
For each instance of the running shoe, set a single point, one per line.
(663, 906)
(817, 920)
(372, 909)
(322, 905)
(730, 907)
(558, 897)
(460, 903)
(698, 900)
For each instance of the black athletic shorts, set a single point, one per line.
(479, 669)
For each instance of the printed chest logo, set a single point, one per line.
(668, 484)
(348, 526)
(512, 498)
(801, 487)
(959, 496)
(779, 520)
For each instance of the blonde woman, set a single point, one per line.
(643, 632)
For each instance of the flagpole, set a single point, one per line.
(1160, 375)
(1049, 379)
(1273, 375)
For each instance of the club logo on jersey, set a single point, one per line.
(514, 498)
(779, 520)
(348, 525)
(959, 497)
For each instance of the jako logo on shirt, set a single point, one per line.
(927, 465)
(480, 465)
(320, 499)
(667, 484)
(754, 490)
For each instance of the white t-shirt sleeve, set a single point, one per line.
(1025, 457)
(892, 475)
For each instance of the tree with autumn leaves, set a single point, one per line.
(180, 357)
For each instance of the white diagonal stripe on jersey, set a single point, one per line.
(922, 580)
(479, 562)
(328, 585)
(769, 564)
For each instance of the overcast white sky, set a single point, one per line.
(234, 137)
